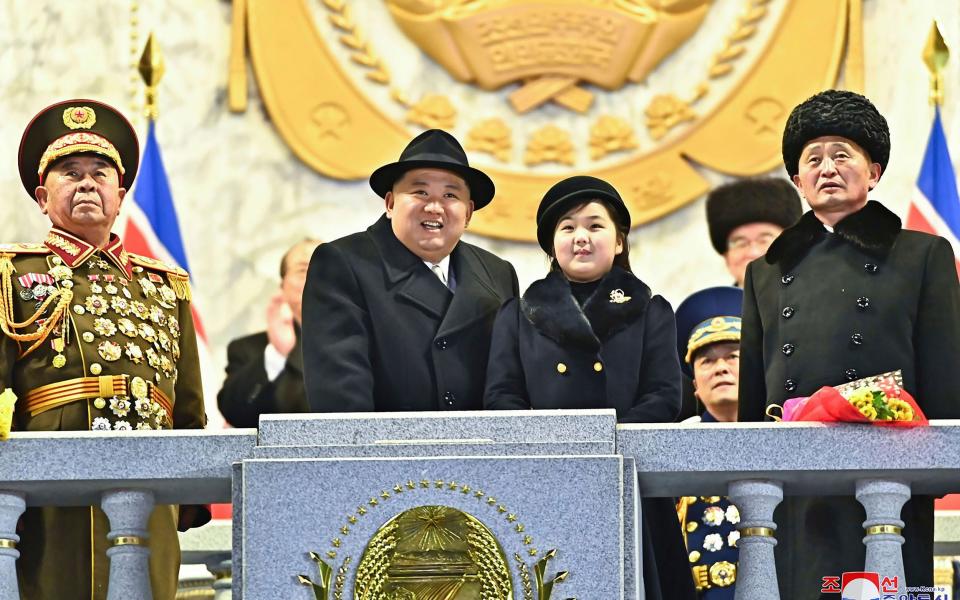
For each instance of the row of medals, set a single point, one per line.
(713, 516)
(152, 329)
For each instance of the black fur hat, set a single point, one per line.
(836, 112)
(767, 200)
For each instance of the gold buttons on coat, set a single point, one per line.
(691, 526)
(561, 368)
(88, 336)
(694, 556)
(598, 366)
(95, 368)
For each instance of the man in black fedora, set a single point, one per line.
(398, 317)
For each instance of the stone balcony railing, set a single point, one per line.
(756, 464)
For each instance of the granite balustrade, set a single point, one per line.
(754, 463)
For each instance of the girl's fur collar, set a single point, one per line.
(618, 301)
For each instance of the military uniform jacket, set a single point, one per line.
(710, 533)
(619, 351)
(825, 308)
(247, 393)
(382, 332)
(73, 314)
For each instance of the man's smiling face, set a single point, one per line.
(429, 209)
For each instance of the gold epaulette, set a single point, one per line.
(157, 265)
(180, 282)
(15, 249)
(178, 278)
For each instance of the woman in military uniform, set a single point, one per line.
(591, 335)
(94, 338)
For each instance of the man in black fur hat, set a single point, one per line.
(398, 317)
(746, 216)
(846, 294)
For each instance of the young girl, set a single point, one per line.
(591, 335)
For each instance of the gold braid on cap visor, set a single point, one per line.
(73, 143)
(711, 331)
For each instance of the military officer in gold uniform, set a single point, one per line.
(93, 338)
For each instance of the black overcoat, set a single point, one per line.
(382, 333)
(619, 351)
(824, 308)
(247, 393)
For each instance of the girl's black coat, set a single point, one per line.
(548, 353)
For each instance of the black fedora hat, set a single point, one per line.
(566, 193)
(435, 149)
(73, 127)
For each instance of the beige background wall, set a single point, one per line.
(243, 197)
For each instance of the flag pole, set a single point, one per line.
(151, 69)
(935, 56)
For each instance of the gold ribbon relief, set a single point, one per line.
(543, 53)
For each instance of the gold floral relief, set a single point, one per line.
(433, 111)
(666, 111)
(549, 144)
(491, 136)
(610, 134)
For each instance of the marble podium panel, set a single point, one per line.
(489, 506)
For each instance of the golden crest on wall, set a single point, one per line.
(642, 93)
(549, 47)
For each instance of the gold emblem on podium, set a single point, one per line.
(433, 552)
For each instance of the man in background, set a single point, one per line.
(265, 369)
(746, 216)
(708, 340)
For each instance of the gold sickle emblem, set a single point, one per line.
(617, 296)
(79, 117)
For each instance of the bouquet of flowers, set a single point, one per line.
(880, 399)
